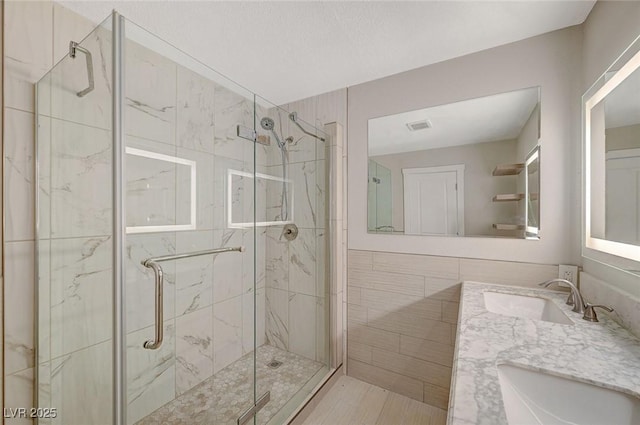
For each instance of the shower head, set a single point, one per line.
(267, 123)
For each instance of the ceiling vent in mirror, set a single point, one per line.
(419, 125)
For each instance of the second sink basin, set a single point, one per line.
(535, 308)
(538, 398)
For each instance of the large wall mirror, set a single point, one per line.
(611, 131)
(469, 168)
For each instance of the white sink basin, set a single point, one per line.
(534, 398)
(535, 308)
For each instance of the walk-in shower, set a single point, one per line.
(166, 292)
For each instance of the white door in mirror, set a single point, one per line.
(431, 204)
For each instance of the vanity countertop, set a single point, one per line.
(600, 353)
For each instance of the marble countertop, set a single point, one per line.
(600, 353)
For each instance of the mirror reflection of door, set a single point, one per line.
(622, 186)
(434, 200)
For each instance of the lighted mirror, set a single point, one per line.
(612, 158)
(456, 169)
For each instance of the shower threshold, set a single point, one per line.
(220, 399)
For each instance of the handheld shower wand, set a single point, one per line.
(268, 124)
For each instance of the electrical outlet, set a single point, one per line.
(568, 272)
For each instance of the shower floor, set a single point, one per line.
(222, 398)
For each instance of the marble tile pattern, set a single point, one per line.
(81, 163)
(296, 279)
(222, 398)
(81, 391)
(19, 175)
(151, 374)
(150, 94)
(80, 293)
(18, 335)
(194, 349)
(603, 353)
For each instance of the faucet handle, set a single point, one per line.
(590, 314)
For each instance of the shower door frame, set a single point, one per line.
(119, 222)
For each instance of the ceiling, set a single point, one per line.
(484, 119)
(286, 51)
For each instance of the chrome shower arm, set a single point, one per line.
(294, 117)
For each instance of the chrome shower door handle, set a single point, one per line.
(159, 310)
(152, 263)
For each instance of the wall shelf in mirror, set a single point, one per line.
(506, 197)
(508, 169)
(508, 226)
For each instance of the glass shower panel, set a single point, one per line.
(74, 235)
(379, 198)
(294, 355)
(372, 200)
(383, 199)
(188, 177)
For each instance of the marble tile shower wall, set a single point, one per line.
(297, 296)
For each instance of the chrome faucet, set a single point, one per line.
(575, 298)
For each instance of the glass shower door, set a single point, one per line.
(189, 188)
(292, 356)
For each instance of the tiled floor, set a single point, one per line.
(222, 398)
(351, 401)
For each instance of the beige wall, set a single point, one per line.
(480, 212)
(402, 316)
(550, 61)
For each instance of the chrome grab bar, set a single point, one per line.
(152, 263)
